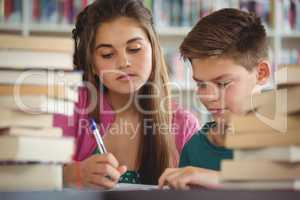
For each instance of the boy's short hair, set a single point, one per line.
(227, 33)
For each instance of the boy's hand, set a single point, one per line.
(97, 171)
(185, 178)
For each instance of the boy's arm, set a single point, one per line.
(188, 177)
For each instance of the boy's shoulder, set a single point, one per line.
(200, 152)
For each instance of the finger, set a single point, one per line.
(101, 181)
(122, 169)
(106, 170)
(108, 158)
(173, 179)
(206, 179)
(162, 179)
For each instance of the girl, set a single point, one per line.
(117, 49)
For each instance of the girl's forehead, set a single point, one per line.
(121, 29)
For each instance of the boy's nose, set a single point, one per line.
(209, 94)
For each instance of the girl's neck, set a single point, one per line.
(122, 104)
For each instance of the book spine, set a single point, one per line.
(285, 16)
(175, 16)
(43, 11)
(297, 4)
(35, 10)
(157, 12)
(8, 9)
(77, 7)
(290, 56)
(50, 11)
(1, 10)
(60, 10)
(195, 11)
(292, 15)
(68, 12)
(16, 11)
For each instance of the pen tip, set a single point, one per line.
(93, 124)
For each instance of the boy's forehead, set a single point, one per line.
(209, 69)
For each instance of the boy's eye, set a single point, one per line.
(202, 85)
(107, 56)
(223, 84)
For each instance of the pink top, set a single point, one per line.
(184, 125)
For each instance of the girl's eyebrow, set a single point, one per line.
(134, 39)
(110, 46)
(103, 45)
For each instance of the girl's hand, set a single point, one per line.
(97, 171)
(185, 178)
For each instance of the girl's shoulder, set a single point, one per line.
(184, 125)
(69, 123)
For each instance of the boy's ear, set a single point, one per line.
(263, 72)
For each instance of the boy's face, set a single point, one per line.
(222, 85)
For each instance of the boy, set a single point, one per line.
(228, 53)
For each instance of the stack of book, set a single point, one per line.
(36, 81)
(266, 142)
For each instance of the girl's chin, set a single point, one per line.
(125, 90)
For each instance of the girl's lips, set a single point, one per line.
(216, 110)
(125, 77)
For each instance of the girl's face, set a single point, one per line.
(122, 55)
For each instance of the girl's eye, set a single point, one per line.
(134, 50)
(107, 56)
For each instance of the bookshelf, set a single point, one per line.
(56, 18)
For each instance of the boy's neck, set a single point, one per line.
(217, 135)
(216, 139)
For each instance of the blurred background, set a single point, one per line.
(173, 19)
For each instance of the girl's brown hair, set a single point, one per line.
(157, 145)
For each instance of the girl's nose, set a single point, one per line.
(123, 61)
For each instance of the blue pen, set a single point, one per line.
(98, 137)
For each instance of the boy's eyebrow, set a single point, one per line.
(215, 79)
(110, 46)
(222, 76)
(197, 80)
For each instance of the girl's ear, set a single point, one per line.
(263, 72)
(94, 70)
